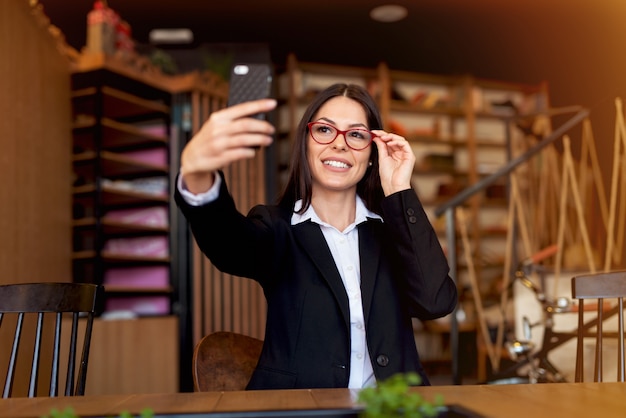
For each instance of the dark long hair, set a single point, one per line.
(299, 185)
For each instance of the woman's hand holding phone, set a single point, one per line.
(229, 135)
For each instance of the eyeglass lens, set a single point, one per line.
(355, 138)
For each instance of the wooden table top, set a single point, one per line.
(525, 401)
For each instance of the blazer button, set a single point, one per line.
(412, 219)
(410, 211)
(382, 360)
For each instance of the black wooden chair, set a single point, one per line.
(20, 302)
(600, 286)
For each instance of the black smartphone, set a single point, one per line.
(249, 82)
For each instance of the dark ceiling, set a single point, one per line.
(576, 45)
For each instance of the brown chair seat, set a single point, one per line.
(224, 361)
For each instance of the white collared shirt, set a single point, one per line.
(344, 247)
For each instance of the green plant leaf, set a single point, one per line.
(392, 398)
(146, 413)
(66, 413)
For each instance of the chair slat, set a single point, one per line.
(84, 362)
(597, 372)
(621, 372)
(56, 350)
(34, 369)
(71, 360)
(8, 382)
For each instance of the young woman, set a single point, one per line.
(345, 259)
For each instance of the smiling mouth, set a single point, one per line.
(336, 164)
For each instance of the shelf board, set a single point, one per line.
(116, 103)
(428, 139)
(112, 227)
(115, 135)
(499, 231)
(492, 84)
(494, 115)
(484, 232)
(453, 142)
(426, 78)
(112, 196)
(114, 258)
(421, 171)
(401, 106)
(487, 143)
(116, 165)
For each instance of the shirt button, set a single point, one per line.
(359, 325)
(350, 268)
(359, 356)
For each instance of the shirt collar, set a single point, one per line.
(362, 213)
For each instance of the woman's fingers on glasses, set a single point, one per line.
(393, 142)
(383, 134)
(390, 137)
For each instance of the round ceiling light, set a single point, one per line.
(388, 13)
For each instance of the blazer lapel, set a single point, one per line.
(310, 236)
(369, 252)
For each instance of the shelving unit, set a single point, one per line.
(121, 190)
(461, 129)
(122, 225)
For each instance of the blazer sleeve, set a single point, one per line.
(423, 266)
(235, 244)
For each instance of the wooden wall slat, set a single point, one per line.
(198, 272)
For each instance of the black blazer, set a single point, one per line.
(404, 274)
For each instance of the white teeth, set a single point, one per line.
(337, 164)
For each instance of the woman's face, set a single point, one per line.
(335, 166)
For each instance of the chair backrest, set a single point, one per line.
(45, 300)
(225, 361)
(600, 286)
